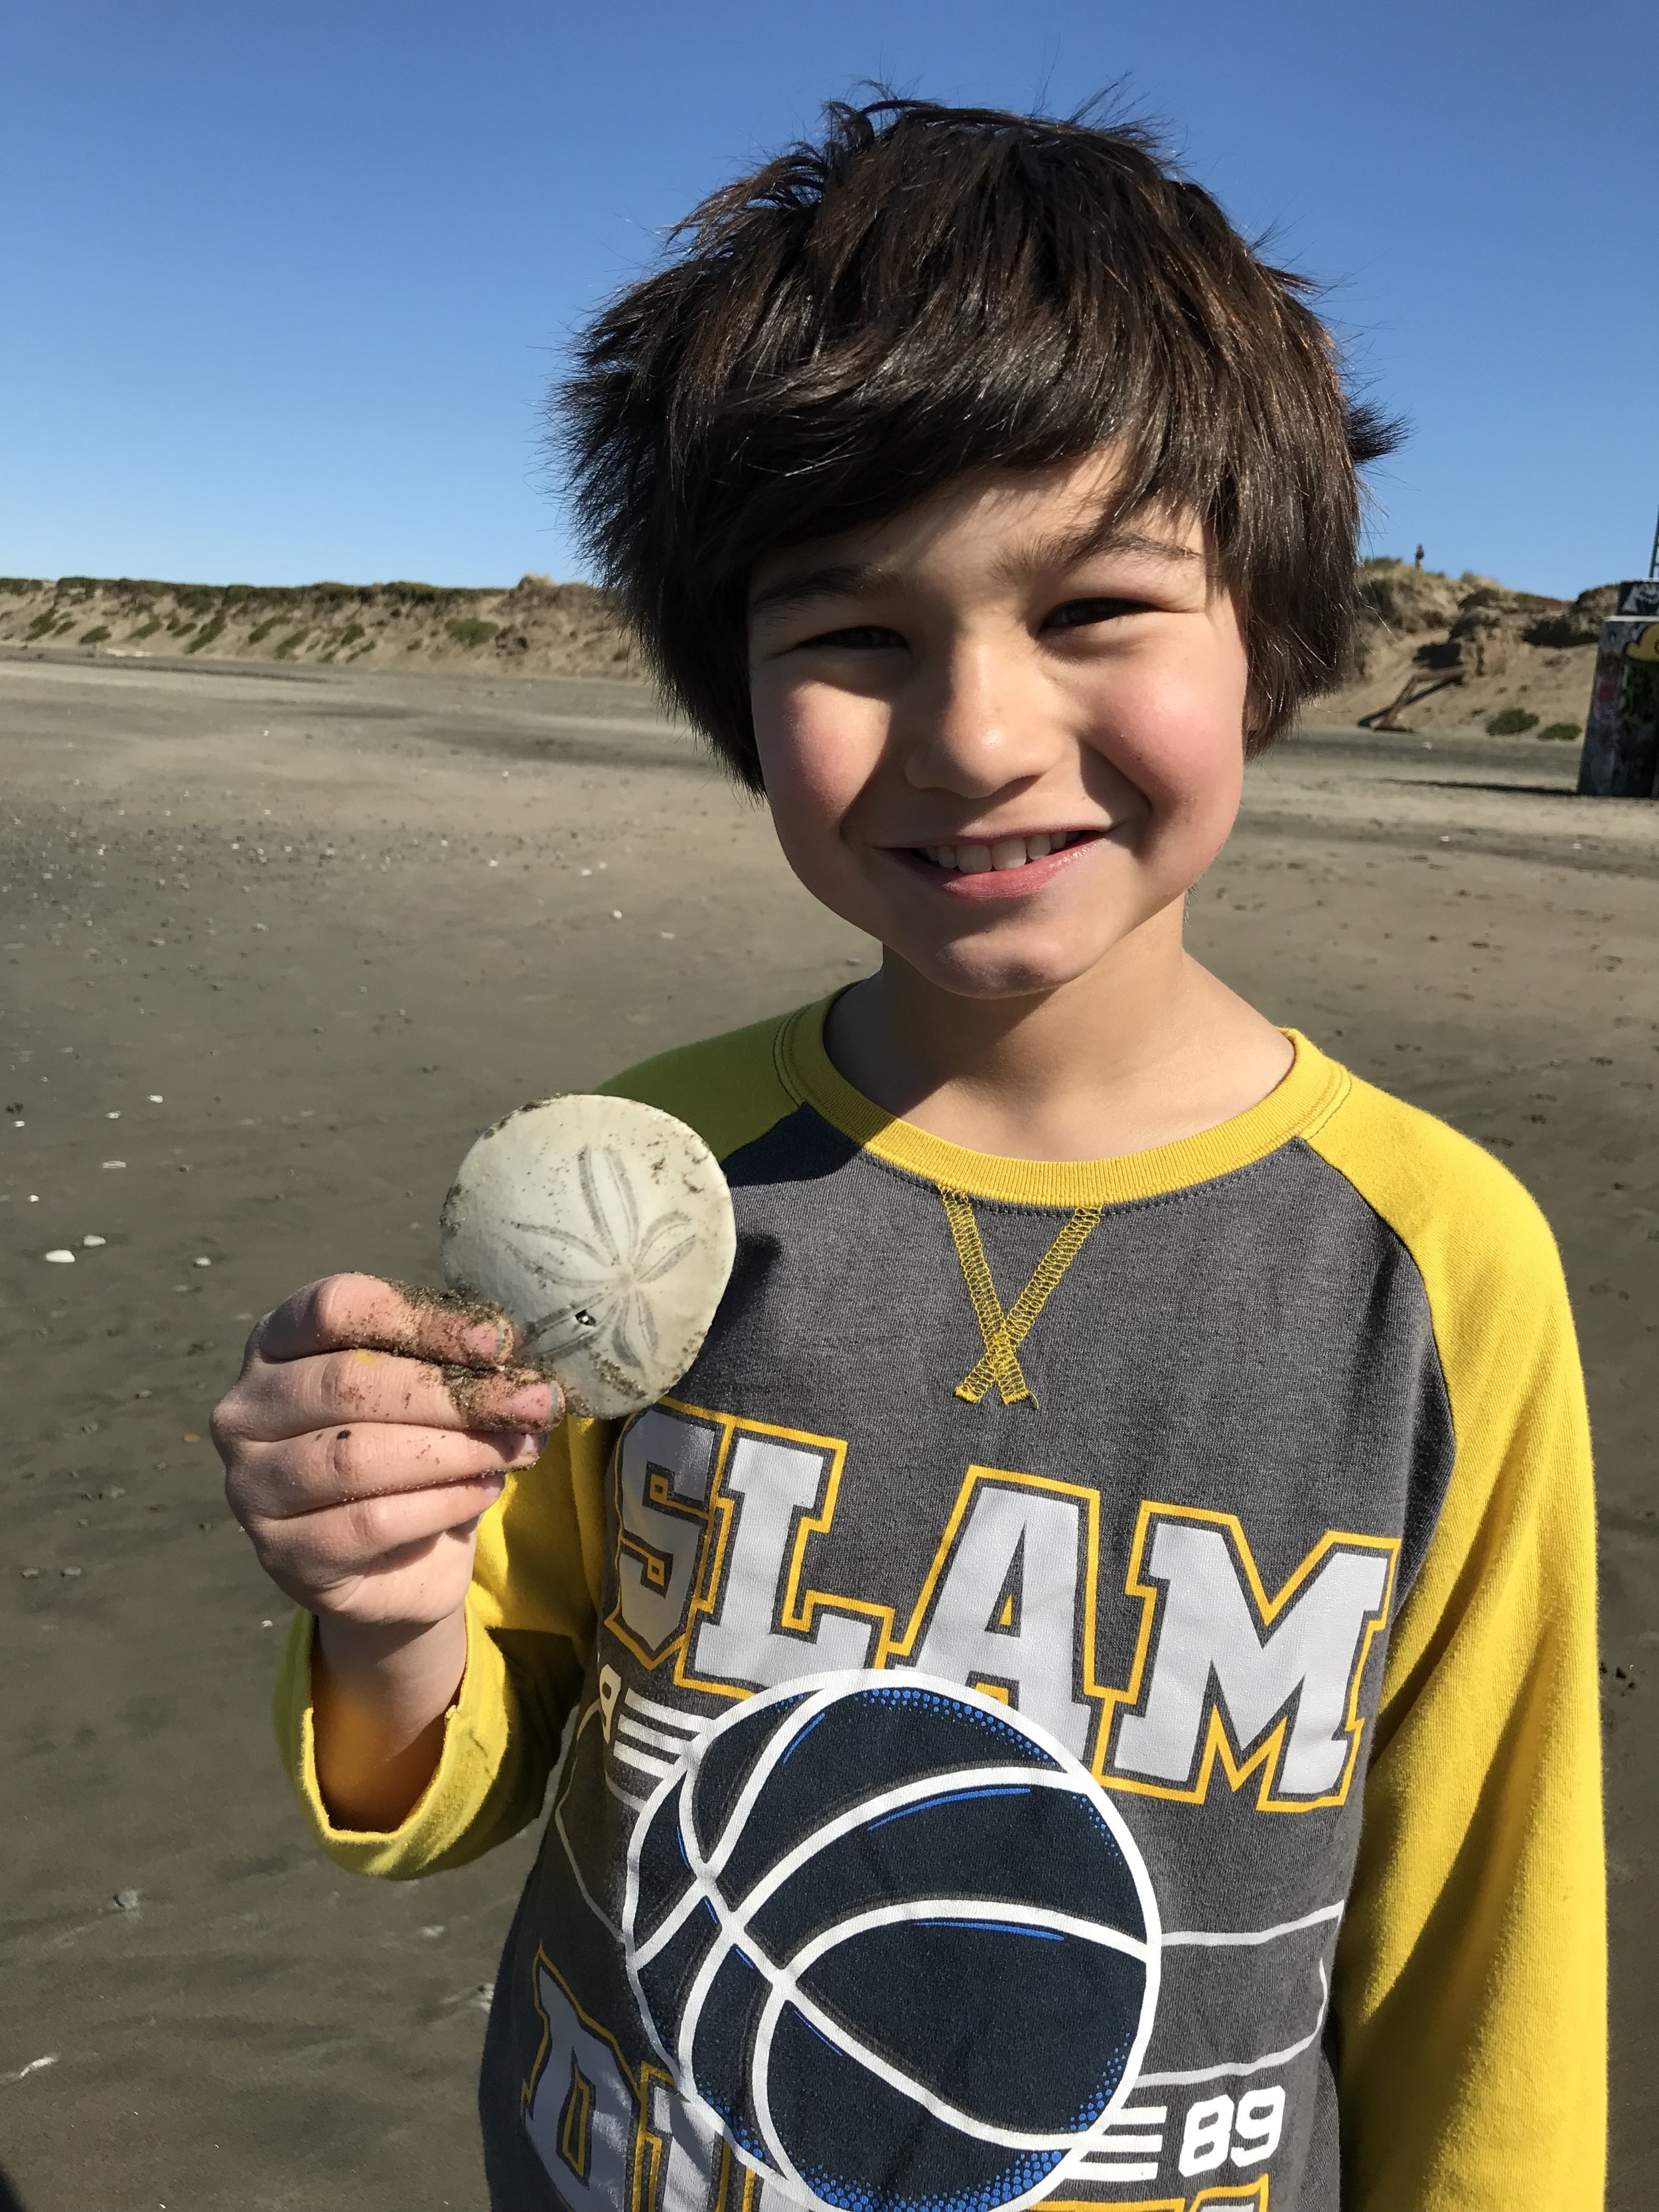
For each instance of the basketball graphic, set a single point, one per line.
(897, 1944)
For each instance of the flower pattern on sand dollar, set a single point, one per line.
(601, 1289)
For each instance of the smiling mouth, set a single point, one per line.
(1001, 854)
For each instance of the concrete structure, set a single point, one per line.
(1620, 759)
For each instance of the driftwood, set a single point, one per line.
(1417, 685)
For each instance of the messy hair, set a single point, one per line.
(929, 292)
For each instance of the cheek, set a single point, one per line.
(1178, 736)
(819, 751)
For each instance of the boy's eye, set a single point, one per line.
(857, 637)
(1076, 614)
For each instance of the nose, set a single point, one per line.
(978, 723)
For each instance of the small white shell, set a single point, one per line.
(603, 1229)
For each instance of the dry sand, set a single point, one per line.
(338, 921)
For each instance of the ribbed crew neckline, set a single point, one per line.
(1309, 1092)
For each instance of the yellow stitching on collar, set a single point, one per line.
(1004, 1333)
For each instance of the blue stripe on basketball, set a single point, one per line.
(664, 1869)
(1040, 1849)
(728, 1757)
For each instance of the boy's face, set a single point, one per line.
(995, 737)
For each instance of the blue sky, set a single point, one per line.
(282, 289)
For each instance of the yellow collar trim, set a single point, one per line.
(1310, 1092)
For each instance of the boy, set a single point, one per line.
(1086, 1691)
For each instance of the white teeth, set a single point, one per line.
(1004, 853)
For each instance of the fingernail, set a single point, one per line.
(490, 1342)
(534, 1406)
(528, 1450)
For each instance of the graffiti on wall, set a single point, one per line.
(1620, 759)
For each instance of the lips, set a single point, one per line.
(998, 868)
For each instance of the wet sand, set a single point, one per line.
(338, 923)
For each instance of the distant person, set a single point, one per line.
(1420, 557)
(1107, 1625)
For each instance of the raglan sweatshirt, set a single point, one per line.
(1085, 1693)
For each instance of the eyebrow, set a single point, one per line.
(850, 579)
(832, 580)
(1088, 541)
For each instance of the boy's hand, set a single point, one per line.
(365, 1436)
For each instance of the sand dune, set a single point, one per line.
(537, 628)
(1483, 647)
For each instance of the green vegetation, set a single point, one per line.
(287, 647)
(148, 630)
(41, 623)
(258, 637)
(211, 631)
(196, 598)
(350, 635)
(96, 635)
(468, 629)
(1511, 722)
(1561, 732)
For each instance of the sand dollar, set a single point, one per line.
(603, 1227)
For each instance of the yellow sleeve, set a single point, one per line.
(1470, 1992)
(532, 1611)
(529, 1624)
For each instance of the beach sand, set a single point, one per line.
(280, 943)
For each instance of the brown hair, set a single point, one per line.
(929, 291)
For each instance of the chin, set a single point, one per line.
(971, 970)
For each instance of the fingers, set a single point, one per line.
(375, 1521)
(290, 1398)
(311, 1554)
(341, 1311)
(363, 1460)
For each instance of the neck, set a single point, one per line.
(1146, 1048)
